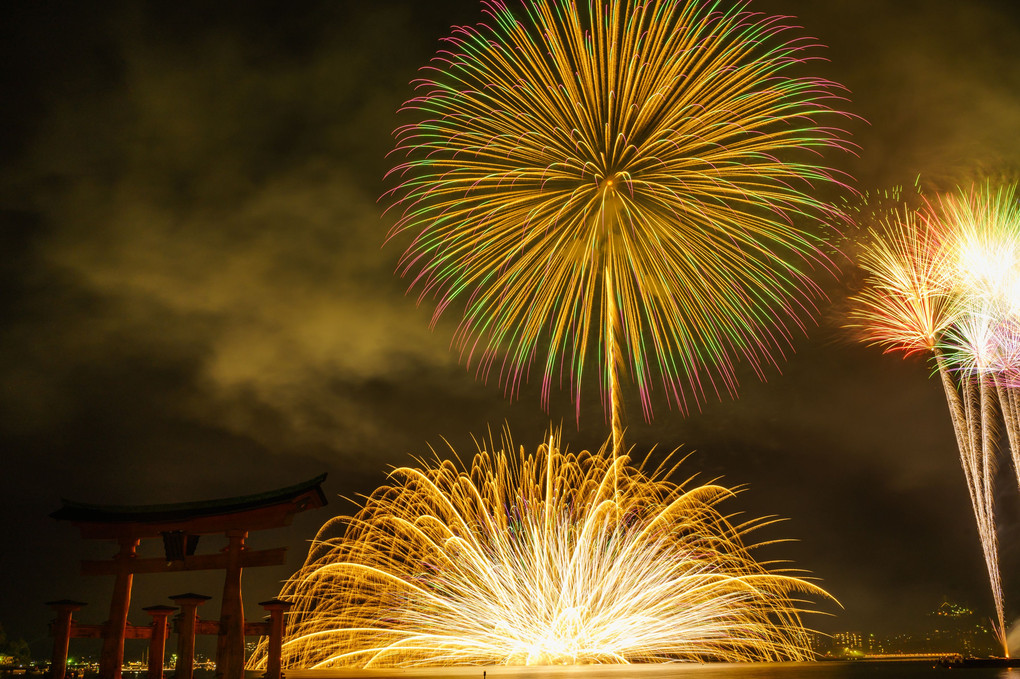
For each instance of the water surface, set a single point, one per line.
(863, 669)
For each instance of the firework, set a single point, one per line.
(633, 182)
(986, 221)
(909, 299)
(983, 345)
(538, 559)
(943, 279)
(625, 181)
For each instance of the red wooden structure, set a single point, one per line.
(180, 526)
(60, 630)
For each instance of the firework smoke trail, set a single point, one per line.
(943, 279)
(970, 340)
(1007, 385)
(664, 153)
(536, 559)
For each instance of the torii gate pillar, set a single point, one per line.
(230, 642)
(112, 656)
(61, 631)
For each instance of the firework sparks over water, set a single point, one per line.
(635, 183)
(537, 559)
(943, 279)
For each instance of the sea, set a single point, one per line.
(857, 669)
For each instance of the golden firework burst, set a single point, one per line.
(543, 558)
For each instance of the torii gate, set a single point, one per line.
(180, 526)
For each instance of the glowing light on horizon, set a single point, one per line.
(666, 154)
(540, 558)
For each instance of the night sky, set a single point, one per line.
(196, 301)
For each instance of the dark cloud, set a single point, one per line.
(937, 82)
(197, 303)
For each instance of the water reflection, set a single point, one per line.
(817, 670)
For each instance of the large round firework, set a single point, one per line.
(636, 182)
(544, 558)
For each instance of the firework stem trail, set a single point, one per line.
(956, 409)
(614, 359)
(972, 417)
(1008, 401)
(988, 466)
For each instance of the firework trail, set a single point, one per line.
(942, 279)
(637, 182)
(536, 559)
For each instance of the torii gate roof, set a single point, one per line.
(248, 512)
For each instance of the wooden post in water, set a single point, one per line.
(61, 631)
(157, 642)
(277, 629)
(189, 603)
